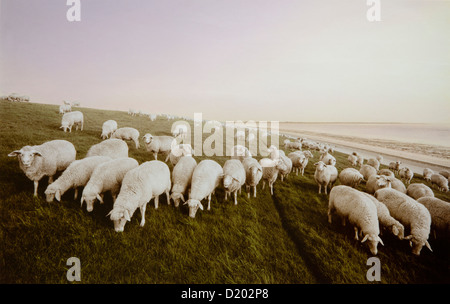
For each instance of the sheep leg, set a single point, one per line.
(264, 184)
(156, 202)
(155, 155)
(142, 208)
(168, 196)
(254, 191)
(356, 233)
(50, 179)
(226, 195)
(36, 184)
(329, 216)
(235, 197)
(247, 189)
(75, 194)
(320, 188)
(271, 188)
(209, 202)
(167, 157)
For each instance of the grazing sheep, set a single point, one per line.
(106, 176)
(274, 153)
(159, 144)
(287, 168)
(440, 215)
(179, 151)
(65, 108)
(270, 170)
(411, 214)
(139, 186)
(386, 220)
(379, 158)
(386, 172)
(374, 163)
(397, 185)
(367, 171)
(427, 172)
(325, 175)
(70, 119)
(359, 159)
(240, 152)
(254, 173)
(76, 175)
(356, 207)
(376, 182)
(181, 178)
(108, 128)
(350, 177)
(127, 133)
(353, 160)
(327, 159)
(445, 173)
(234, 177)
(297, 159)
(440, 182)
(45, 160)
(418, 190)
(293, 145)
(395, 166)
(406, 175)
(114, 148)
(205, 179)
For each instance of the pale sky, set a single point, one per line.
(285, 60)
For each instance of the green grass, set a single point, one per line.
(283, 238)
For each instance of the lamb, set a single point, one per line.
(440, 182)
(234, 177)
(374, 163)
(440, 215)
(106, 176)
(253, 172)
(386, 220)
(76, 175)
(350, 177)
(159, 144)
(114, 148)
(181, 178)
(127, 133)
(240, 152)
(376, 182)
(367, 171)
(70, 119)
(139, 186)
(386, 172)
(360, 211)
(327, 159)
(411, 214)
(45, 160)
(406, 175)
(418, 190)
(206, 177)
(427, 172)
(108, 128)
(325, 175)
(353, 160)
(395, 166)
(179, 151)
(270, 170)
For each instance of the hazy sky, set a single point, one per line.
(296, 60)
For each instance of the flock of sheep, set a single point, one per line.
(386, 203)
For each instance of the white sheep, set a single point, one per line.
(127, 133)
(379, 157)
(287, 168)
(240, 152)
(234, 177)
(65, 108)
(270, 170)
(445, 173)
(353, 160)
(386, 172)
(274, 152)
(108, 128)
(293, 145)
(254, 173)
(206, 177)
(350, 177)
(386, 220)
(418, 190)
(359, 159)
(354, 206)
(159, 144)
(427, 172)
(179, 151)
(367, 171)
(374, 163)
(395, 166)
(406, 175)
(397, 184)
(45, 160)
(327, 158)
(325, 175)
(113, 147)
(297, 159)
(411, 214)
(376, 182)
(181, 178)
(70, 119)
(76, 175)
(139, 186)
(440, 215)
(440, 182)
(106, 176)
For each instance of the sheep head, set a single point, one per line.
(373, 240)
(177, 197)
(120, 216)
(193, 206)
(26, 155)
(148, 138)
(417, 244)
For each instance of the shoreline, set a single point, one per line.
(368, 147)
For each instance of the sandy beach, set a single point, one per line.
(415, 156)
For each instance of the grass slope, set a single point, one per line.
(281, 239)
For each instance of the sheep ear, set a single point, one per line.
(365, 238)
(109, 213)
(100, 199)
(185, 203)
(182, 198)
(82, 201)
(408, 237)
(200, 206)
(14, 153)
(381, 241)
(36, 153)
(58, 195)
(127, 215)
(428, 246)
